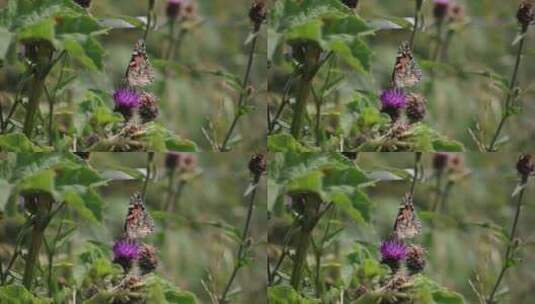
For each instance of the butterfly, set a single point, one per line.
(139, 72)
(138, 222)
(407, 224)
(406, 72)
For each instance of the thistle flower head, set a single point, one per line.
(148, 109)
(415, 107)
(440, 161)
(174, 8)
(525, 14)
(392, 101)
(148, 261)
(415, 259)
(393, 250)
(258, 164)
(393, 98)
(351, 3)
(125, 252)
(257, 13)
(126, 98)
(392, 253)
(186, 162)
(440, 8)
(83, 3)
(525, 165)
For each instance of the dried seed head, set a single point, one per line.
(351, 3)
(415, 259)
(525, 165)
(257, 13)
(148, 260)
(440, 8)
(525, 14)
(148, 110)
(415, 107)
(258, 164)
(83, 3)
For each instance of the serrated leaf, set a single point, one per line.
(18, 142)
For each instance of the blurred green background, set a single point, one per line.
(191, 95)
(197, 246)
(458, 249)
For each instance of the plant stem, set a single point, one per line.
(511, 96)
(418, 157)
(303, 242)
(284, 102)
(304, 86)
(416, 20)
(40, 220)
(150, 13)
(33, 103)
(243, 92)
(511, 241)
(244, 241)
(150, 159)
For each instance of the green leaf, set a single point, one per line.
(308, 182)
(159, 138)
(42, 30)
(78, 24)
(75, 198)
(78, 175)
(285, 143)
(287, 295)
(310, 30)
(42, 181)
(15, 294)
(84, 49)
(18, 142)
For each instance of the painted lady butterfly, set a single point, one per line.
(138, 222)
(139, 72)
(406, 72)
(407, 223)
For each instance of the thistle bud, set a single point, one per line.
(415, 259)
(171, 160)
(440, 9)
(148, 110)
(174, 8)
(525, 165)
(148, 261)
(258, 164)
(525, 14)
(83, 3)
(351, 3)
(257, 13)
(440, 161)
(415, 107)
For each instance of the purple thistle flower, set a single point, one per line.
(393, 98)
(126, 98)
(392, 101)
(125, 251)
(392, 253)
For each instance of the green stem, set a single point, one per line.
(243, 92)
(150, 159)
(418, 157)
(150, 13)
(304, 86)
(511, 241)
(416, 21)
(244, 241)
(33, 103)
(511, 96)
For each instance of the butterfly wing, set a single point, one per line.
(138, 222)
(407, 224)
(406, 71)
(139, 72)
